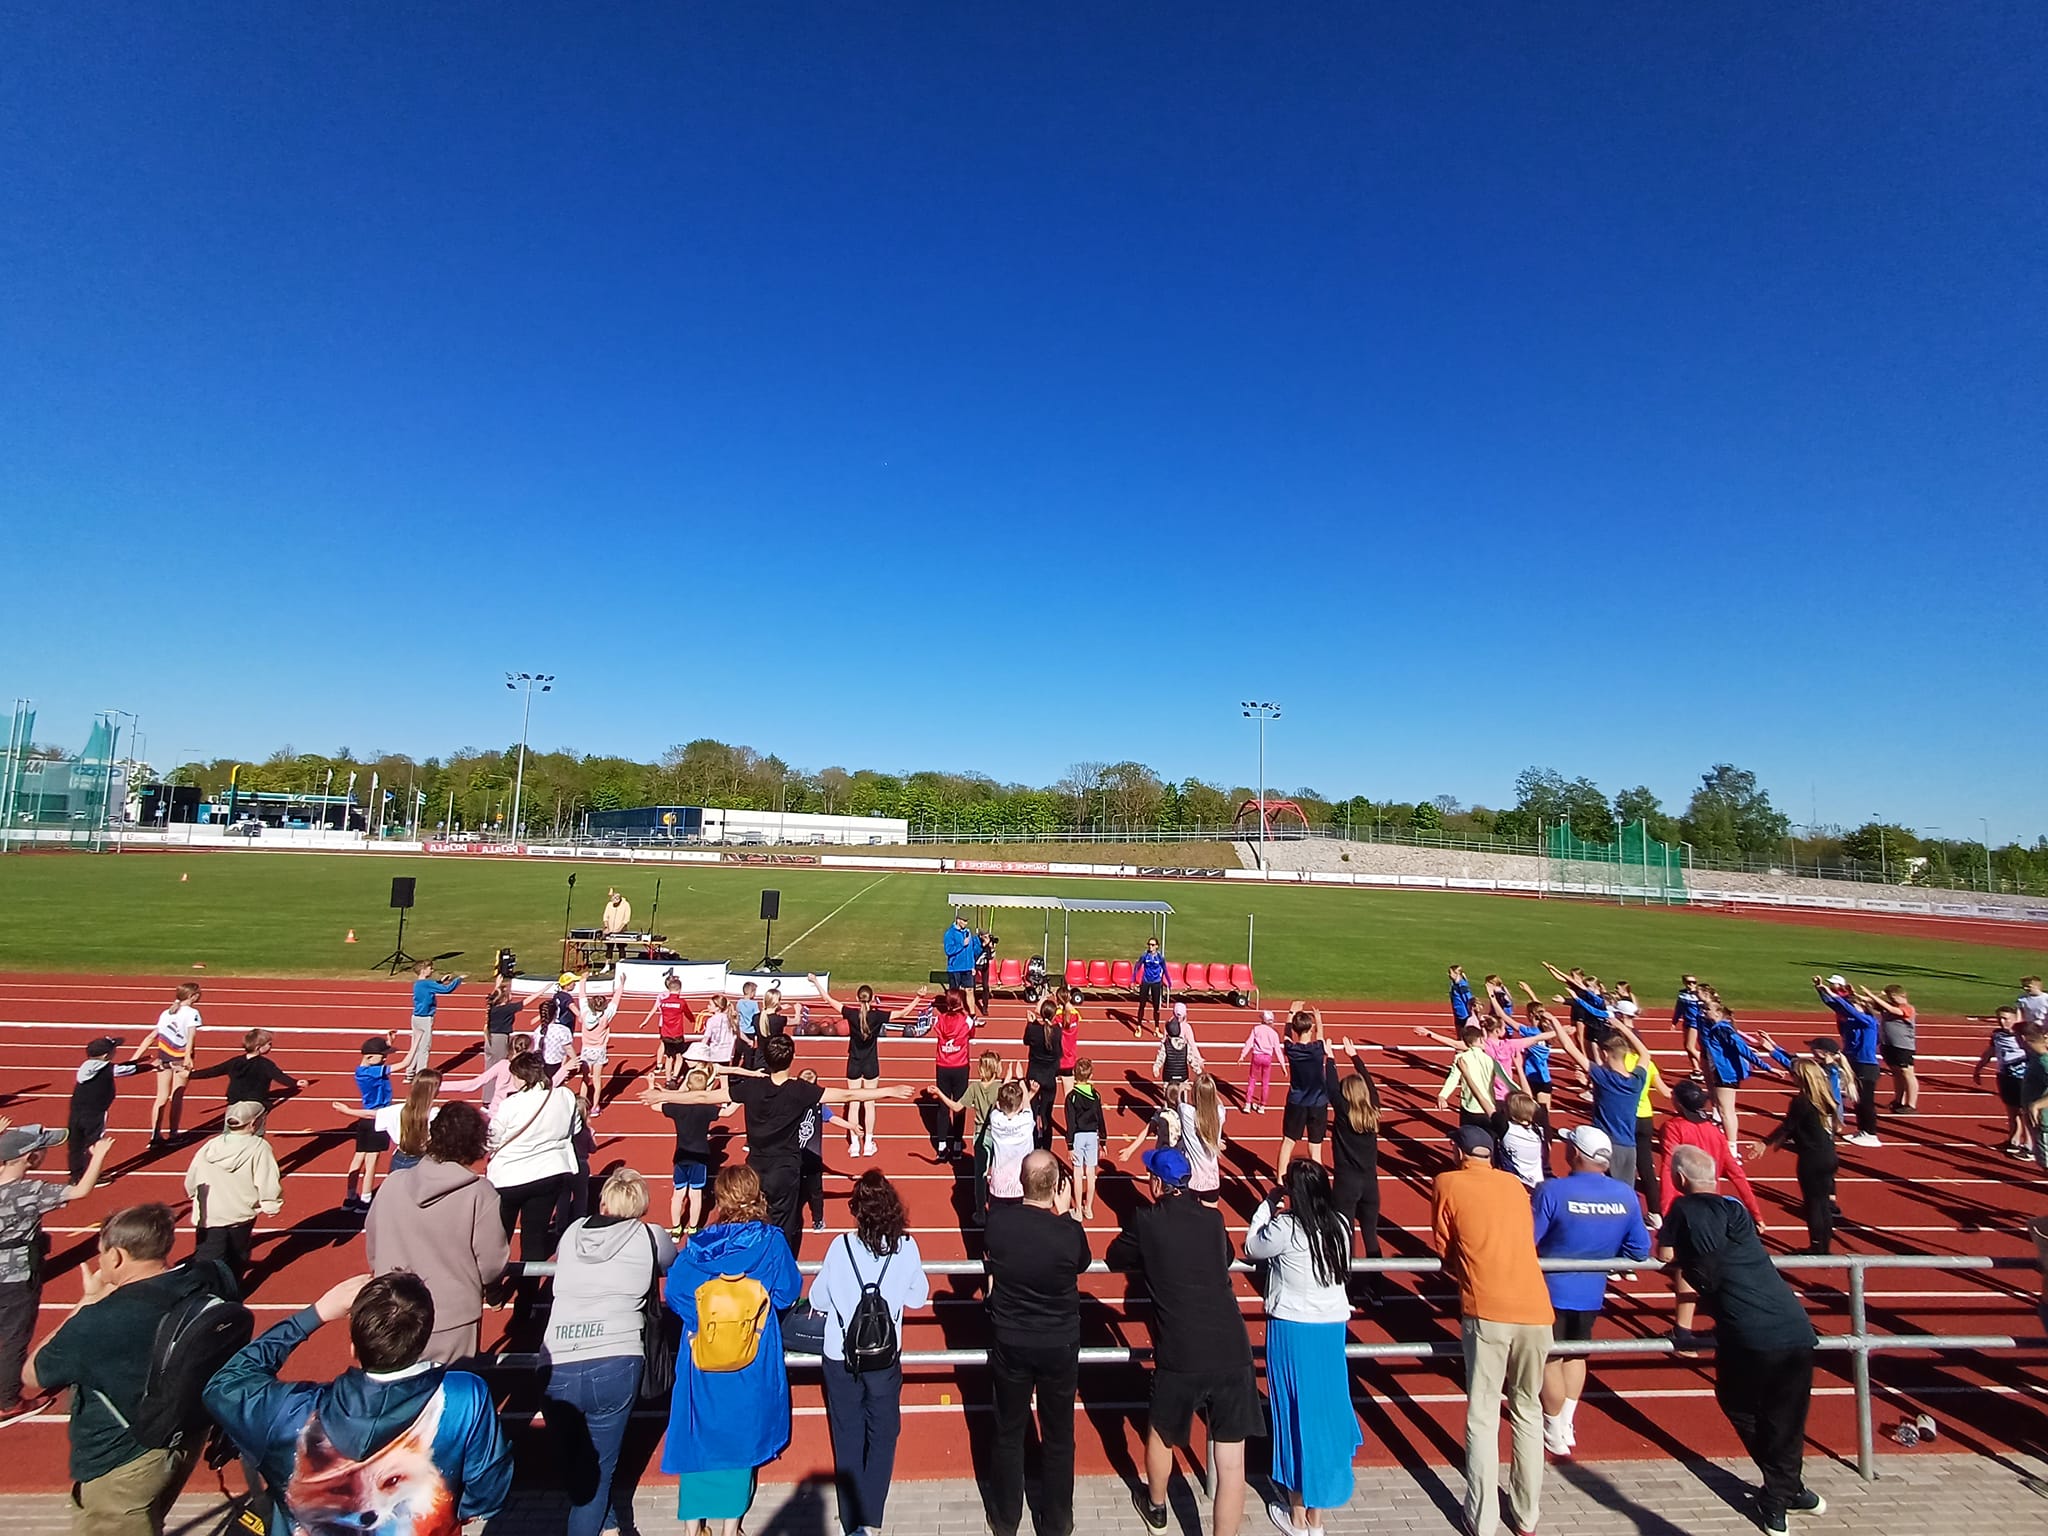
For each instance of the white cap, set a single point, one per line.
(1838, 981)
(1591, 1141)
(1266, 1017)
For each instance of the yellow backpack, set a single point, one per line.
(731, 1312)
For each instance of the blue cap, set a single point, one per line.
(1169, 1165)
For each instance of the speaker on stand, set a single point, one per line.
(403, 888)
(771, 908)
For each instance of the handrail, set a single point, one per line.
(1859, 1342)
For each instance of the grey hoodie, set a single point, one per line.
(440, 1221)
(233, 1177)
(605, 1265)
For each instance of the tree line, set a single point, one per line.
(1729, 819)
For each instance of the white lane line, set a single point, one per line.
(821, 922)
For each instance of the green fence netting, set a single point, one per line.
(1634, 867)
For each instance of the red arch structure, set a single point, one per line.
(1269, 809)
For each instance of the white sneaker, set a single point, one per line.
(1556, 1438)
(870, 1150)
(853, 1142)
(1864, 1139)
(1283, 1520)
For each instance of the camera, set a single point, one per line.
(508, 964)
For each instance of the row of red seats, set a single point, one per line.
(1116, 976)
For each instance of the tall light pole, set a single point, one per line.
(117, 816)
(529, 681)
(1986, 820)
(1884, 872)
(1261, 712)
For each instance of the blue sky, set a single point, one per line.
(1615, 388)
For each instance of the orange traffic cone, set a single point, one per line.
(351, 937)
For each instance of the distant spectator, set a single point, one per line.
(725, 1424)
(1861, 1034)
(1202, 1356)
(959, 944)
(1763, 1341)
(440, 1220)
(103, 1351)
(1036, 1256)
(24, 1202)
(1149, 972)
(426, 998)
(865, 1407)
(92, 1097)
(1482, 1225)
(595, 1343)
(394, 1435)
(252, 1076)
(232, 1179)
(1585, 1215)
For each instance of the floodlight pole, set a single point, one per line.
(1986, 820)
(1262, 712)
(515, 681)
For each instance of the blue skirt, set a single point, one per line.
(725, 1495)
(1315, 1431)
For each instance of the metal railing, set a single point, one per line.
(1859, 1342)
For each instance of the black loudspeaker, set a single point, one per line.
(401, 891)
(771, 906)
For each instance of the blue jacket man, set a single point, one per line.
(1585, 1215)
(961, 946)
(1860, 1033)
(389, 1448)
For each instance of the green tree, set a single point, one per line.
(1641, 804)
(1731, 818)
(1427, 818)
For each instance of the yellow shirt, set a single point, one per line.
(1651, 1081)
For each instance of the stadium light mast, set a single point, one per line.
(529, 681)
(1986, 820)
(1261, 712)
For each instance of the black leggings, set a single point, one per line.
(1817, 1199)
(814, 1189)
(1866, 1098)
(1358, 1201)
(1043, 1091)
(1153, 992)
(940, 1123)
(531, 1208)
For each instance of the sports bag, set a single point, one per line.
(731, 1312)
(659, 1336)
(870, 1332)
(198, 1335)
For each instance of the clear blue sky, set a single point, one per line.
(1613, 388)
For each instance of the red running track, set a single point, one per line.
(1936, 1186)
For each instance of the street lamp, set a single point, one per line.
(529, 681)
(1883, 866)
(1986, 821)
(1261, 712)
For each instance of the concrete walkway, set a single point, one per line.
(1920, 1494)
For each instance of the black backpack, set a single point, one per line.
(870, 1332)
(200, 1333)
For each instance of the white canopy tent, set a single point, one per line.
(985, 906)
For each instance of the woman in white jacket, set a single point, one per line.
(533, 1157)
(1306, 1246)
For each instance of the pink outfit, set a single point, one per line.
(1262, 1045)
(1507, 1054)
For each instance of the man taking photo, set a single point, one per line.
(1202, 1357)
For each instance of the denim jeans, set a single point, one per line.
(588, 1404)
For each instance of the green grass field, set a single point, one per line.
(287, 914)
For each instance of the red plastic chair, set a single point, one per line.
(1241, 979)
(1197, 977)
(1120, 975)
(1098, 974)
(1077, 972)
(1176, 975)
(1012, 973)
